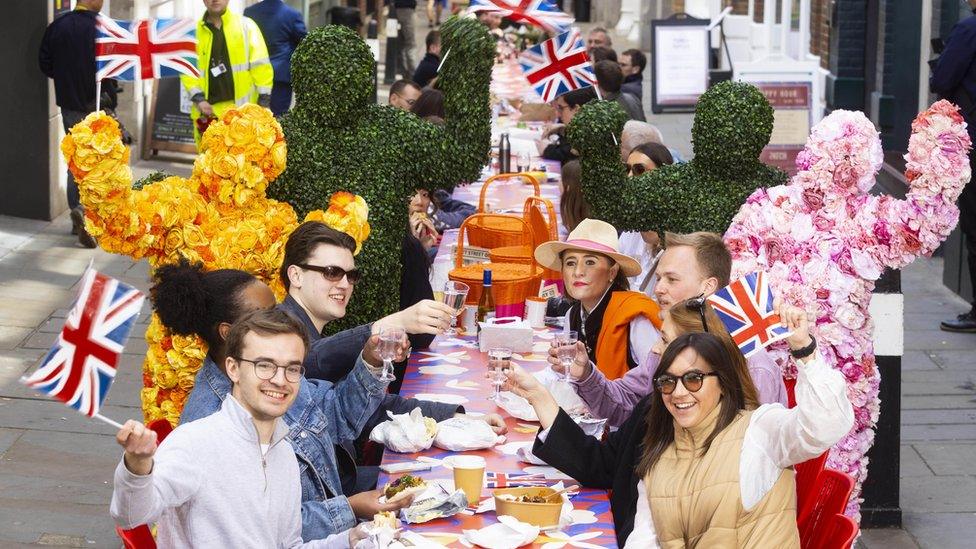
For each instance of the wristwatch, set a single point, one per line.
(805, 351)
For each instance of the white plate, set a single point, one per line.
(442, 397)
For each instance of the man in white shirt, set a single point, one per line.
(230, 479)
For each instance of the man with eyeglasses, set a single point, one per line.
(553, 145)
(403, 94)
(231, 478)
(692, 266)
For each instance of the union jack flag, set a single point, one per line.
(79, 369)
(558, 65)
(145, 49)
(538, 13)
(515, 480)
(746, 308)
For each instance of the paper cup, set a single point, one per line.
(535, 311)
(469, 476)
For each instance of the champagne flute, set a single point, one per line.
(390, 340)
(566, 351)
(499, 361)
(454, 295)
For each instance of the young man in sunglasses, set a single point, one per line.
(231, 478)
(692, 265)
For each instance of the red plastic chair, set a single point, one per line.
(141, 536)
(807, 483)
(832, 495)
(838, 532)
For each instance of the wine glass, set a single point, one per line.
(566, 350)
(499, 361)
(522, 162)
(390, 340)
(454, 295)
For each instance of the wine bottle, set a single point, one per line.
(486, 303)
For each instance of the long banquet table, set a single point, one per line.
(453, 370)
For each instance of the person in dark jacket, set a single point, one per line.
(406, 37)
(554, 145)
(427, 69)
(283, 28)
(610, 78)
(67, 55)
(954, 78)
(632, 63)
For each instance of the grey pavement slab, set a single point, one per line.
(938, 417)
(945, 494)
(886, 538)
(942, 530)
(947, 459)
(912, 464)
(954, 432)
(956, 360)
(917, 360)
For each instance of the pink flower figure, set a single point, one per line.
(831, 269)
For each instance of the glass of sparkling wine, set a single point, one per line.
(454, 295)
(566, 351)
(499, 361)
(390, 340)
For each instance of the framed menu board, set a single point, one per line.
(169, 127)
(680, 56)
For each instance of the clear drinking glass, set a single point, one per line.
(499, 361)
(523, 162)
(566, 350)
(454, 295)
(390, 339)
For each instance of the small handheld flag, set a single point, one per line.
(80, 368)
(513, 480)
(558, 65)
(538, 13)
(145, 49)
(746, 308)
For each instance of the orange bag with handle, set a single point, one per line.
(496, 230)
(511, 282)
(542, 231)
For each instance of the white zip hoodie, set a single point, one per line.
(210, 486)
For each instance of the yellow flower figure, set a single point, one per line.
(220, 216)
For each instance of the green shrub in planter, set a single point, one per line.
(339, 140)
(733, 122)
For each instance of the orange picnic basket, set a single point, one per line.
(511, 282)
(542, 231)
(496, 230)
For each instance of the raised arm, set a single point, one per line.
(459, 150)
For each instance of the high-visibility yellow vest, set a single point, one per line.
(249, 60)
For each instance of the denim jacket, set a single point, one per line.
(322, 416)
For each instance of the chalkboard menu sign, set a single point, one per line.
(169, 127)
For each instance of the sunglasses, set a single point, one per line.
(698, 304)
(692, 381)
(637, 169)
(333, 273)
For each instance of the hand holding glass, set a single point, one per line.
(499, 361)
(566, 351)
(390, 341)
(454, 295)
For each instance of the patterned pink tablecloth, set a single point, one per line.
(454, 368)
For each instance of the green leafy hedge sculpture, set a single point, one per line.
(339, 140)
(733, 122)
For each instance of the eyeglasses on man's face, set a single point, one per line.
(333, 273)
(266, 369)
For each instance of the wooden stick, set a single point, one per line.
(448, 52)
(98, 97)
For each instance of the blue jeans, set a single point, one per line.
(69, 118)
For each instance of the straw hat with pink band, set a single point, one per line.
(591, 235)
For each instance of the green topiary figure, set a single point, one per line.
(733, 122)
(339, 140)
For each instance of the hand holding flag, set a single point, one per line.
(80, 367)
(747, 310)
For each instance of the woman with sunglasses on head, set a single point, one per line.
(615, 326)
(615, 399)
(693, 466)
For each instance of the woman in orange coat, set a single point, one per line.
(618, 326)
